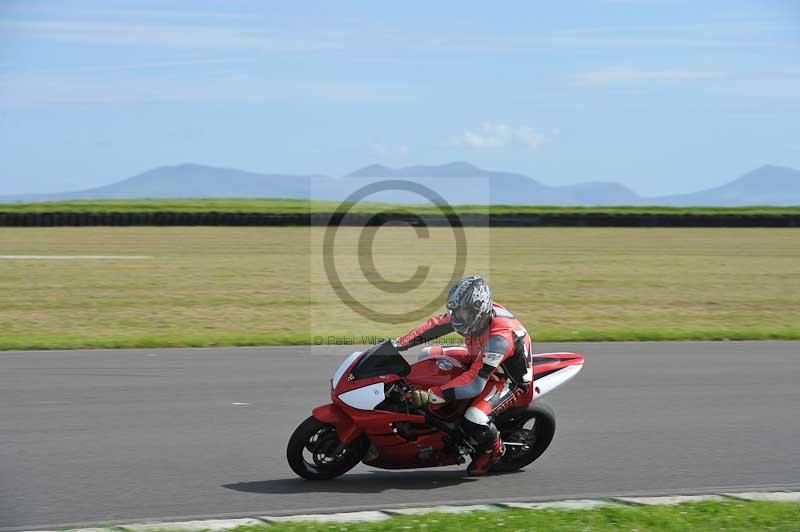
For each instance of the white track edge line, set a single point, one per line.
(388, 512)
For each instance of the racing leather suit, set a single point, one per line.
(499, 374)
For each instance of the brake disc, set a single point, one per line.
(521, 441)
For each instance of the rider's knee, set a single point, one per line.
(479, 428)
(476, 416)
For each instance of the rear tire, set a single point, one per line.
(536, 439)
(311, 447)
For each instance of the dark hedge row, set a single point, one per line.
(74, 219)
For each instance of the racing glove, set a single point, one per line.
(420, 398)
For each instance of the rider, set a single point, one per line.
(497, 352)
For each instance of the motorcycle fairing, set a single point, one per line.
(343, 367)
(365, 397)
(551, 370)
(389, 449)
(363, 368)
(436, 371)
(353, 412)
(333, 415)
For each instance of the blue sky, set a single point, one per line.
(662, 96)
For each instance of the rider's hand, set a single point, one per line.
(419, 398)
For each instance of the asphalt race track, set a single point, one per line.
(109, 436)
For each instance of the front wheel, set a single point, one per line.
(314, 454)
(527, 433)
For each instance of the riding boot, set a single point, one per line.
(483, 462)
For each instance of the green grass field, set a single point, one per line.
(705, 516)
(205, 286)
(278, 206)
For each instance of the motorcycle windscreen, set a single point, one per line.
(343, 367)
(383, 359)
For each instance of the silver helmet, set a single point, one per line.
(470, 305)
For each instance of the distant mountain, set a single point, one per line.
(455, 169)
(506, 187)
(187, 181)
(457, 182)
(768, 185)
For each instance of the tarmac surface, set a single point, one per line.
(106, 436)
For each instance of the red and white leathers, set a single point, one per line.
(499, 373)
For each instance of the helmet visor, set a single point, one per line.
(462, 319)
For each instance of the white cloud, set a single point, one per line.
(630, 75)
(528, 137)
(495, 135)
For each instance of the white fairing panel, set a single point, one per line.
(548, 383)
(528, 375)
(365, 398)
(346, 364)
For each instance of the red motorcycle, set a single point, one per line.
(371, 419)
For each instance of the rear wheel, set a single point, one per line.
(527, 433)
(314, 451)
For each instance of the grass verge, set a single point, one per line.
(66, 341)
(297, 206)
(223, 286)
(704, 516)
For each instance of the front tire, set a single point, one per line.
(515, 427)
(311, 449)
